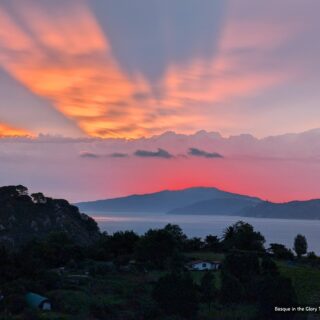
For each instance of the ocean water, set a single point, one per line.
(274, 230)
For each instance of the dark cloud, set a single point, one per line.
(161, 153)
(201, 153)
(91, 155)
(118, 155)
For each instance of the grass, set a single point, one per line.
(306, 281)
(243, 312)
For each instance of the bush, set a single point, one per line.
(15, 303)
(279, 251)
(70, 302)
(275, 291)
(177, 295)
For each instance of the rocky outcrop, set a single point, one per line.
(24, 217)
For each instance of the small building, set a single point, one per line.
(36, 301)
(201, 265)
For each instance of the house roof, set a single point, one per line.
(203, 261)
(35, 300)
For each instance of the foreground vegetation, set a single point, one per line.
(126, 276)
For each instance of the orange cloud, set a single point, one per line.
(7, 131)
(65, 57)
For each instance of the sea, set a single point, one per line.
(274, 230)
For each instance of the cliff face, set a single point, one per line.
(24, 217)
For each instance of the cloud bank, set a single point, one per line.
(201, 153)
(161, 153)
(277, 168)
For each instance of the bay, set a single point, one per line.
(274, 230)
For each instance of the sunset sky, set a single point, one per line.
(89, 90)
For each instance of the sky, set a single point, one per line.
(87, 87)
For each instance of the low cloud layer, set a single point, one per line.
(201, 153)
(119, 155)
(161, 153)
(278, 168)
(89, 155)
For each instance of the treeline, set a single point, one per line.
(249, 273)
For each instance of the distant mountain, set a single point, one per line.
(224, 206)
(208, 201)
(203, 201)
(291, 210)
(24, 217)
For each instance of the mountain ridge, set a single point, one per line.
(160, 202)
(203, 201)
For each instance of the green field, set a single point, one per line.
(306, 281)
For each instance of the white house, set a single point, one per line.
(201, 265)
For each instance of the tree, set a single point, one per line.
(122, 243)
(275, 290)
(177, 233)
(208, 291)
(232, 290)
(312, 256)
(239, 275)
(176, 294)
(268, 266)
(243, 266)
(22, 190)
(279, 251)
(300, 245)
(194, 244)
(242, 236)
(157, 247)
(56, 250)
(229, 233)
(38, 197)
(212, 243)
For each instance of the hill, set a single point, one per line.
(223, 206)
(169, 201)
(24, 217)
(290, 210)
(203, 201)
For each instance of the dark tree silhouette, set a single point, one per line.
(268, 266)
(232, 290)
(122, 243)
(157, 248)
(176, 233)
(208, 291)
(300, 245)
(212, 243)
(279, 251)
(176, 294)
(240, 272)
(242, 236)
(194, 244)
(275, 291)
